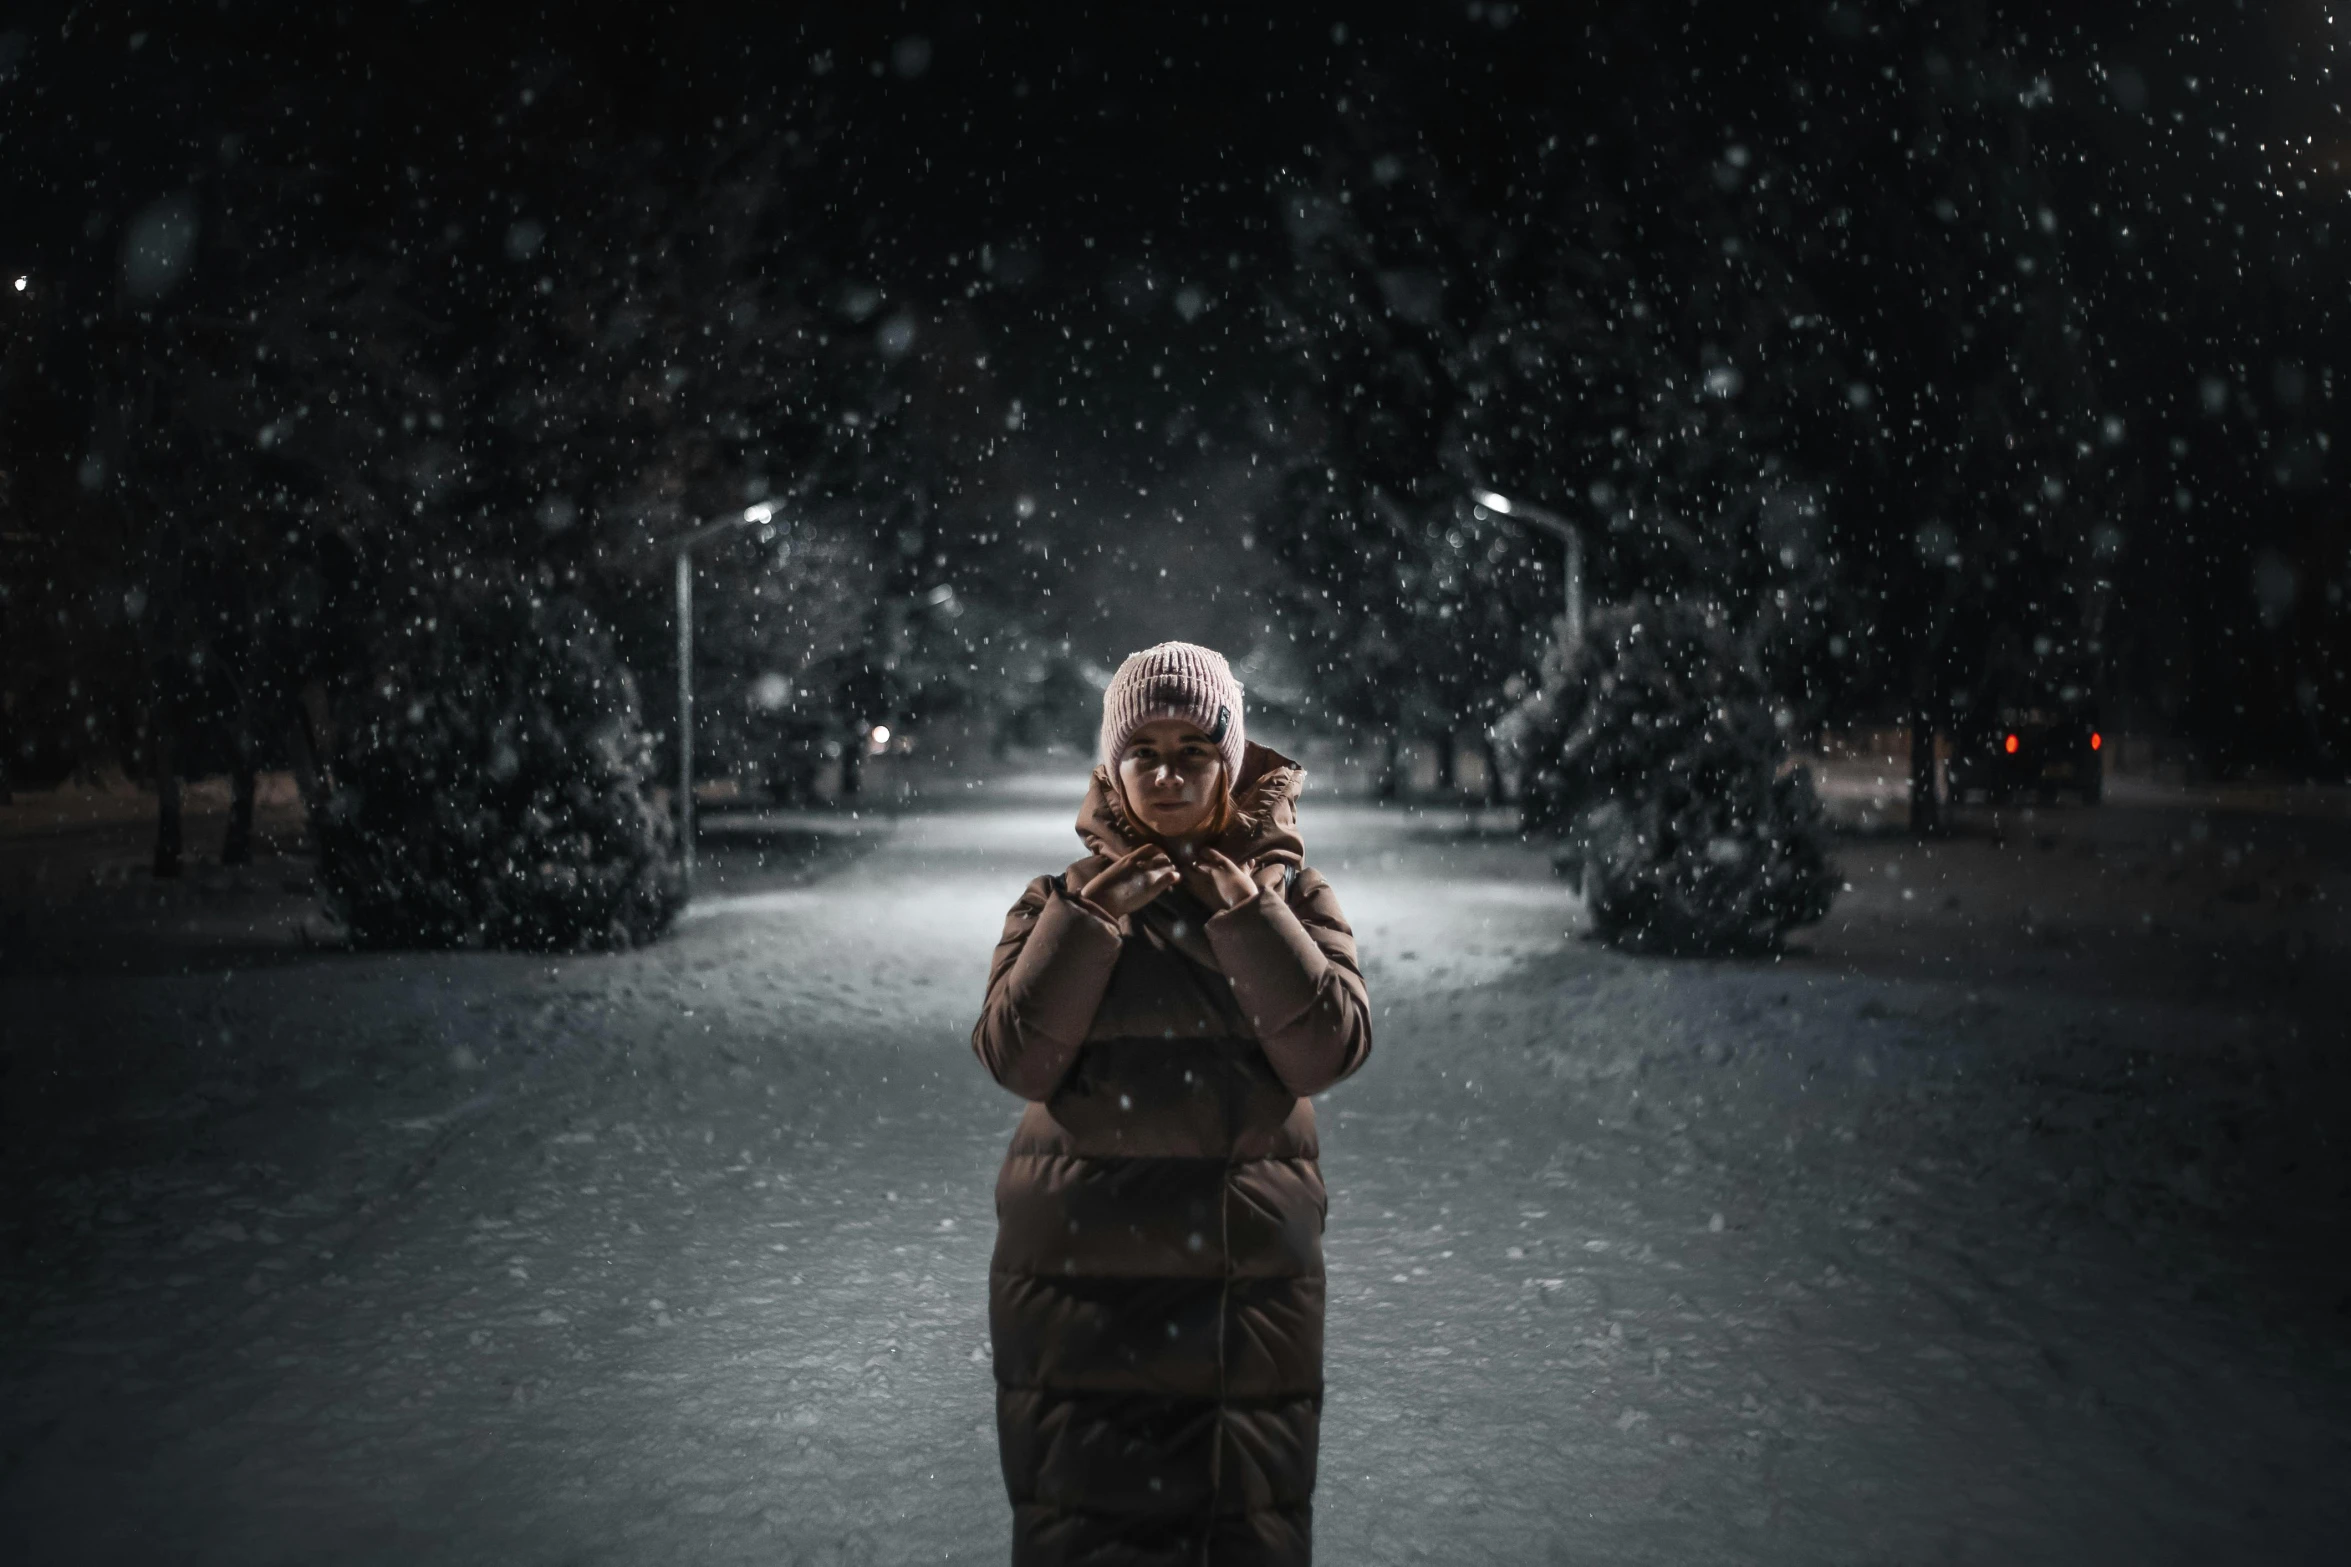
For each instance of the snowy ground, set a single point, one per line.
(2003, 1222)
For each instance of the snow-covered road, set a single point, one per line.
(679, 1256)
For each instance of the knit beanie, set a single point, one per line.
(1174, 680)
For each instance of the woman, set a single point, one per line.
(1166, 1005)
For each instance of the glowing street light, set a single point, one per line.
(23, 283)
(758, 514)
(1559, 528)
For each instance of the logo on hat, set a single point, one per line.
(1223, 725)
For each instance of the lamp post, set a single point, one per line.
(762, 512)
(1560, 528)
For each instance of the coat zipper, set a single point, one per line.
(1224, 1300)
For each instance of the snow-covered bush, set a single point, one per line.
(490, 784)
(1658, 756)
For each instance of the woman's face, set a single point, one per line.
(1171, 775)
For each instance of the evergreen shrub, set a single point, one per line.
(491, 784)
(1658, 756)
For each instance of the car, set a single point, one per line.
(2038, 749)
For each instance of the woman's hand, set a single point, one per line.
(1130, 881)
(1216, 881)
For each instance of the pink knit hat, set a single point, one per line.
(1174, 680)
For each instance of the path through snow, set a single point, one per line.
(680, 1255)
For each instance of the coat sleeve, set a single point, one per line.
(1292, 963)
(1051, 967)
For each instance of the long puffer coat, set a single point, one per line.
(1156, 1295)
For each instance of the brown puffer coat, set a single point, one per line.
(1156, 1296)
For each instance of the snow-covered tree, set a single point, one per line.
(492, 782)
(1658, 753)
(1607, 320)
(1974, 460)
(1412, 612)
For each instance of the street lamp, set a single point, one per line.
(1560, 528)
(750, 516)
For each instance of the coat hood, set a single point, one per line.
(1265, 813)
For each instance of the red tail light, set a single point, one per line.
(2009, 745)
(2097, 740)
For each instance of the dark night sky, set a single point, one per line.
(1102, 181)
(1089, 193)
(1106, 158)
(1084, 154)
(1106, 161)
